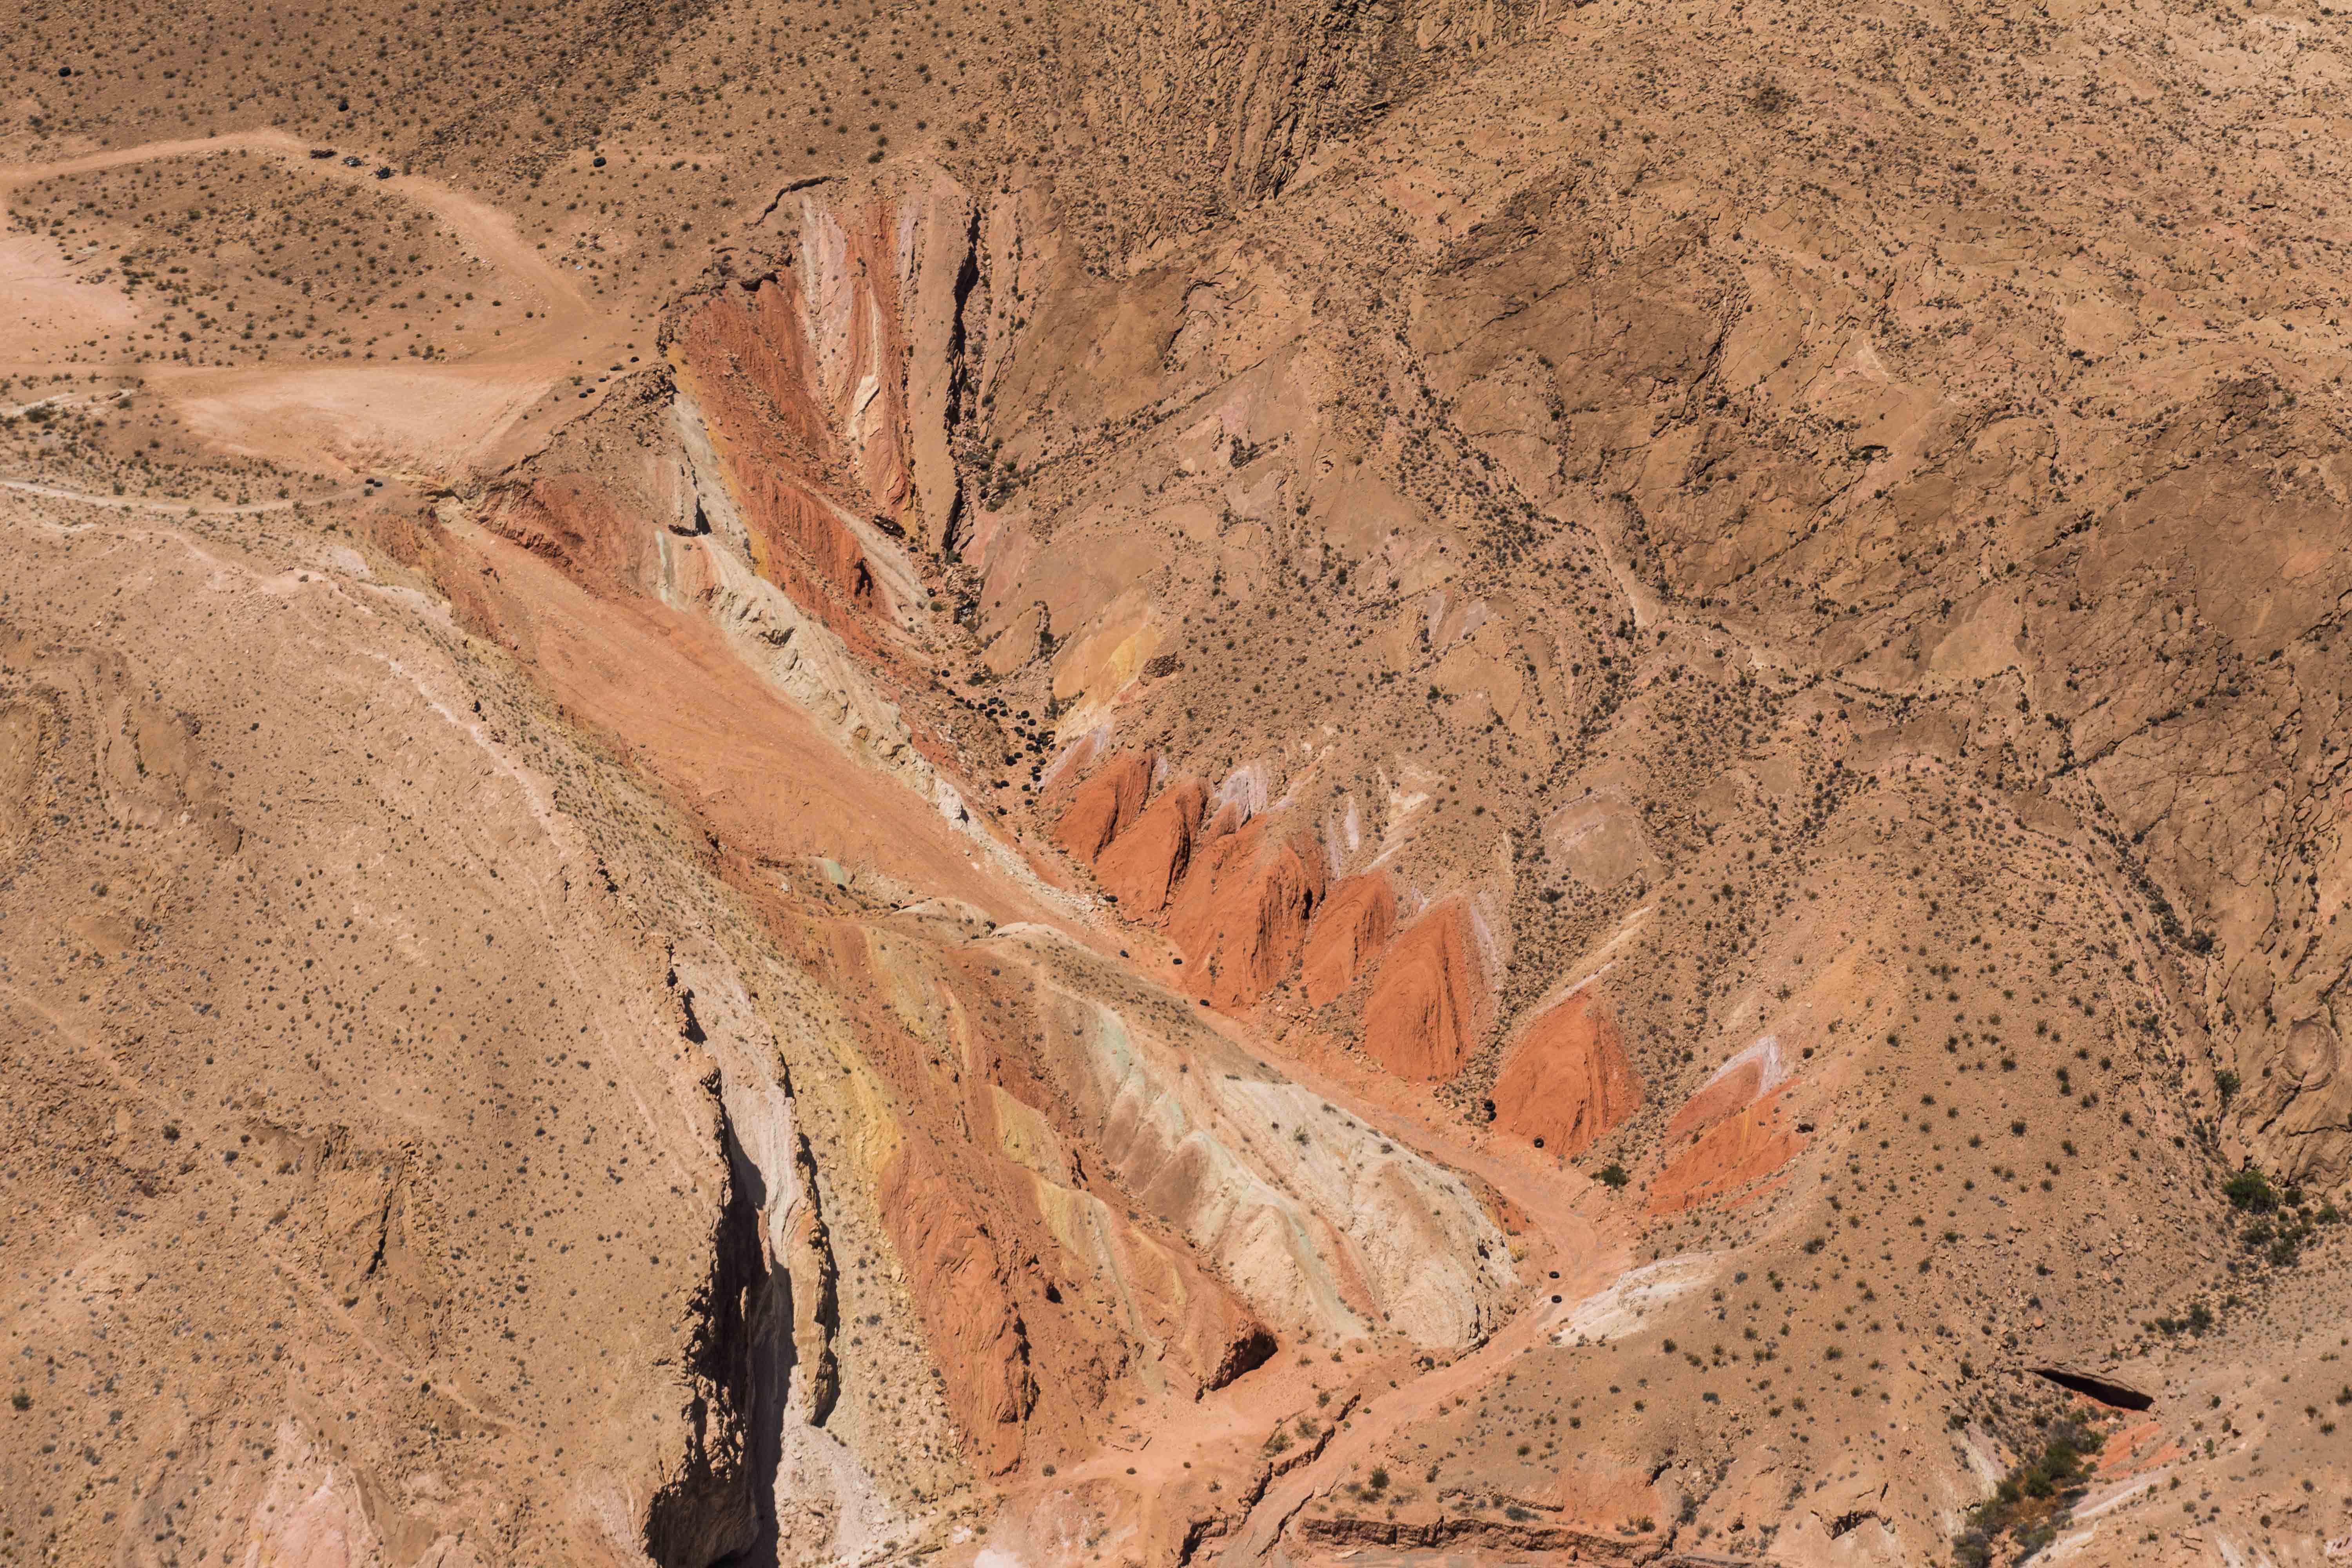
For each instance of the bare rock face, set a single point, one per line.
(1567, 1082)
(966, 1304)
(1730, 1158)
(1105, 805)
(1349, 933)
(1423, 1010)
(1146, 863)
(1739, 1083)
(710, 1509)
(1242, 914)
(2303, 1102)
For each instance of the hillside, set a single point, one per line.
(839, 783)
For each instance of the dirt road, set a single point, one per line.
(173, 507)
(425, 420)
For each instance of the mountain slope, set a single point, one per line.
(1310, 780)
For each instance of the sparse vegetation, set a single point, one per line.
(1865, 730)
(2030, 1505)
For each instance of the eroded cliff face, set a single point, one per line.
(1090, 1198)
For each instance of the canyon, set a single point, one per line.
(1280, 784)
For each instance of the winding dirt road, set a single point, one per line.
(426, 420)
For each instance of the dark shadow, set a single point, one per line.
(720, 1508)
(2100, 1390)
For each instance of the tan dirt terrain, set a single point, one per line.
(859, 782)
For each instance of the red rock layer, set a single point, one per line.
(1723, 1097)
(1104, 806)
(964, 1293)
(1421, 1019)
(1353, 928)
(1566, 1081)
(754, 330)
(572, 520)
(1241, 916)
(852, 341)
(749, 364)
(1143, 865)
(1027, 1368)
(1729, 1158)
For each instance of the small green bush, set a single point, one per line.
(2251, 1190)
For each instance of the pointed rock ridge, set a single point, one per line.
(1422, 1018)
(1143, 865)
(1730, 1158)
(1566, 1081)
(1242, 914)
(885, 272)
(936, 235)
(1754, 1072)
(1349, 933)
(1104, 806)
(963, 1292)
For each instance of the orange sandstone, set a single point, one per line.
(1348, 935)
(1104, 805)
(1729, 1158)
(1144, 864)
(1241, 916)
(1420, 1021)
(1566, 1081)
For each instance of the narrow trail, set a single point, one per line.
(171, 507)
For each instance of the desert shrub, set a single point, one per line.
(2250, 1191)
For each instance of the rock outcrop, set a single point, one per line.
(965, 1294)
(1739, 1083)
(1566, 1081)
(1730, 1158)
(551, 1004)
(1242, 914)
(1423, 1015)
(1145, 864)
(1104, 805)
(1349, 932)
